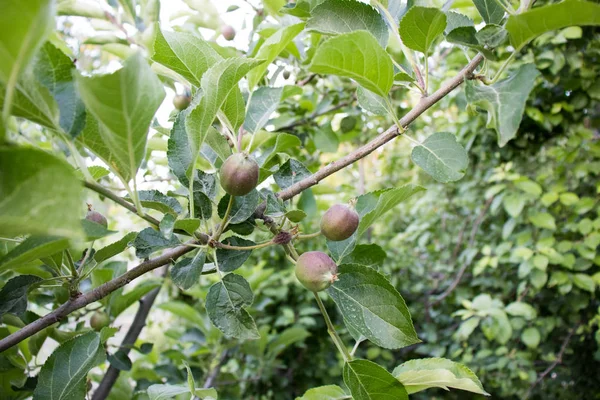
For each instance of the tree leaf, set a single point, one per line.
(369, 255)
(187, 271)
(442, 157)
(263, 103)
(93, 230)
(283, 142)
(149, 240)
(526, 26)
(585, 282)
(166, 391)
(191, 57)
(115, 248)
(290, 173)
(124, 104)
(158, 201)
(270, 49)
(333, 17)
(120, 360)
(33, 248)
(373, 307)
(190, 225)
(242, 208)
(184, 311)
(63, 375)
(456, 20)
(490, 10)
(373, 205)
(224, 304)
(24, 27)
(33, 101)
(504, 101)
(39, 194)
(520, 309)
(371, 102)
(329, 392)
(369, 381)
(543, 220)
(417, 375)
(531, 337)
(491, 36)
(420, 26)
(230, 260)
(13, 296)
(356, 55)
(54, 69)
(217, 83)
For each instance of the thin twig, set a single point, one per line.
(559, 359)
(215, 371)
(139, 321)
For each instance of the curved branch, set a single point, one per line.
(96, 294)
(424, 104)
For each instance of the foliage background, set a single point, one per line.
(489, 222)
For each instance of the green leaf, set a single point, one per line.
(149, 240)
(33, 248)
(115, 248)
(373, 205)
(224, 304)
(120, 360)
(543, 220)
(230, 260)
(124, 104)
(520, 309)
(190, 225)
(295, 216)
(98, 172)
(263, 103)
(531, 337)
(442, 157)
(290, 173)
(369, 381)
(33, 101)
(420, 26)
(504, 101)
(301, 8)
(93, 230)
(329, 392)
(369, 255)
(491, 36)
(456, 20)
(270, 49)
(334, 17)
(217, 83)
(39, 194)
(78, 8)
(186, 272)
(490, 10)
(528, 25)
(283, 142)
(23, 29)
(371, 102)
(417, 375)
(54, 69)
(243, 206)
(356, 55)
(62, 380)
(184, 311)
(513, 204)
(167, 225)
(157, 201)
(373, 307)
(584, 282)
(13, 296)
(122, 301)
(163, 392)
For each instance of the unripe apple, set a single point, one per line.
(99, 320)
(286, 74)
(316, 270)
(96, 217)
(339, 222)
(228, 32)
(181, 102)
(239, 174)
